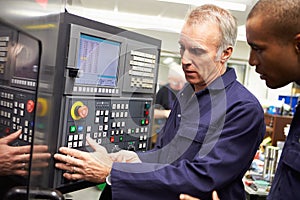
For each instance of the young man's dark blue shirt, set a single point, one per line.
(286, 184)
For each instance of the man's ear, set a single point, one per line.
(298, 47)
(297, 43)
(226, 54)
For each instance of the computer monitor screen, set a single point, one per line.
(98, 61)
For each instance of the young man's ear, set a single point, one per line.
(298, 47)
(297, 43)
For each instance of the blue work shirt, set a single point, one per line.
(207, 143)
(286, 183)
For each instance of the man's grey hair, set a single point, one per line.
(223, 18)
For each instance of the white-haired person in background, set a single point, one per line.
(167, 93)
(166, 96)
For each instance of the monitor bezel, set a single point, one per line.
(72, 63)
(22, 81)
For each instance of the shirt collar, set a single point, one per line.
(223, 81)
(219, 84)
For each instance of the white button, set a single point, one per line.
(70, 138)
(97, 112)
(75, 137)
(22, 112)
(106, 127)
(70, 144)
(88, 129)
(75, 144)
(95, 135)
(105, 120)
(104, 134)
(99, 141)
(113, 114)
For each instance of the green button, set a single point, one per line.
(147, 105)
(142, 122)
(121, 139)
(72, 129)
(41, 126)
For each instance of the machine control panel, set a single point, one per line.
(17, 112)
(116, 123)
(98, 82)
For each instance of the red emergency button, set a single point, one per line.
(146, 112)
(112, 139)
(30, 106)
(147, 121)
(7, 130)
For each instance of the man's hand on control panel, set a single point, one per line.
(80, 165)
(15, 160)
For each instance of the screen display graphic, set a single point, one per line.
(98, 61)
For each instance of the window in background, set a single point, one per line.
(240, 69)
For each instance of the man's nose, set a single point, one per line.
(185, 60)
(252, 59)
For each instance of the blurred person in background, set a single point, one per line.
(165, 98)
(166, 95)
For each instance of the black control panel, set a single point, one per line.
(17, 112)
(114, 123)
(19, 68)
